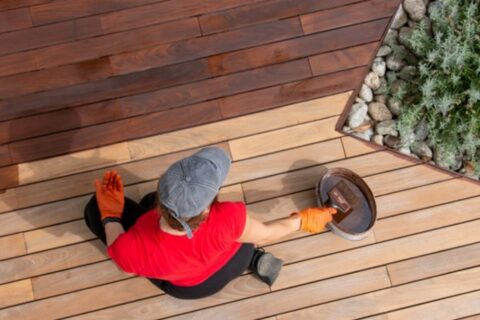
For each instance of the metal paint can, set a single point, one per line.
(361, 219)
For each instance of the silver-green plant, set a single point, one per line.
(446, 90)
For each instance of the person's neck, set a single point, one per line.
(165, 227)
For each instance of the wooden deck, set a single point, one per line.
(135, 85)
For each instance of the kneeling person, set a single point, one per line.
(180, 237)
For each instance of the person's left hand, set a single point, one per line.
(314, 220)
(110, 195)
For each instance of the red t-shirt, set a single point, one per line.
(148, 251)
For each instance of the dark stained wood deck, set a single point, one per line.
(91, 85)
(76, 82)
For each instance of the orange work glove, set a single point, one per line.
(110, 196)
(314, 220)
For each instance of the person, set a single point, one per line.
(181, 237)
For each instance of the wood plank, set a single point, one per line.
(269, 98)
(37, 37)
(426, 196)
(429, 218)
(56, 77)
(73, 163)
(82, 277)
(83, 301)
(13, 4)
(281, 207)
(71, 9)
(5, 158)
(304, 179)
(349, 58)
(9, 64)
(434, 264)
(9, 176)
(164, 54)
(231, 193)
(52, 34)
(14, 20)
(30, 172)
(44, 215)
(354, 147)
(394, 298)
(347, 15)
(12, 246)
(262, 12)
(164, 11)
(15, 292)
(291, 137)
(306, 295)
(9, 199)
(379, 254)
(51, 261)
(97, 47)
(449, 308)
(237, 127)
(56, 236)
(405, 178)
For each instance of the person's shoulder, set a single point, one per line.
(147, 220)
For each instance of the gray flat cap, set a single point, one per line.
(190, 185)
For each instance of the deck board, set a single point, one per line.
(136, 85)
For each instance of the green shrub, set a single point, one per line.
(446, 91)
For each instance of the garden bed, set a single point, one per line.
(421, 96)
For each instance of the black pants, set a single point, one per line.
(132, 211)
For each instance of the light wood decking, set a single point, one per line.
(421, 261)
(267, 81)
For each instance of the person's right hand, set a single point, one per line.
(314, 220)
(110, 196)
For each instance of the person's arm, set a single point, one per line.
(311, 220)
(112, 231)
(261, 233)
